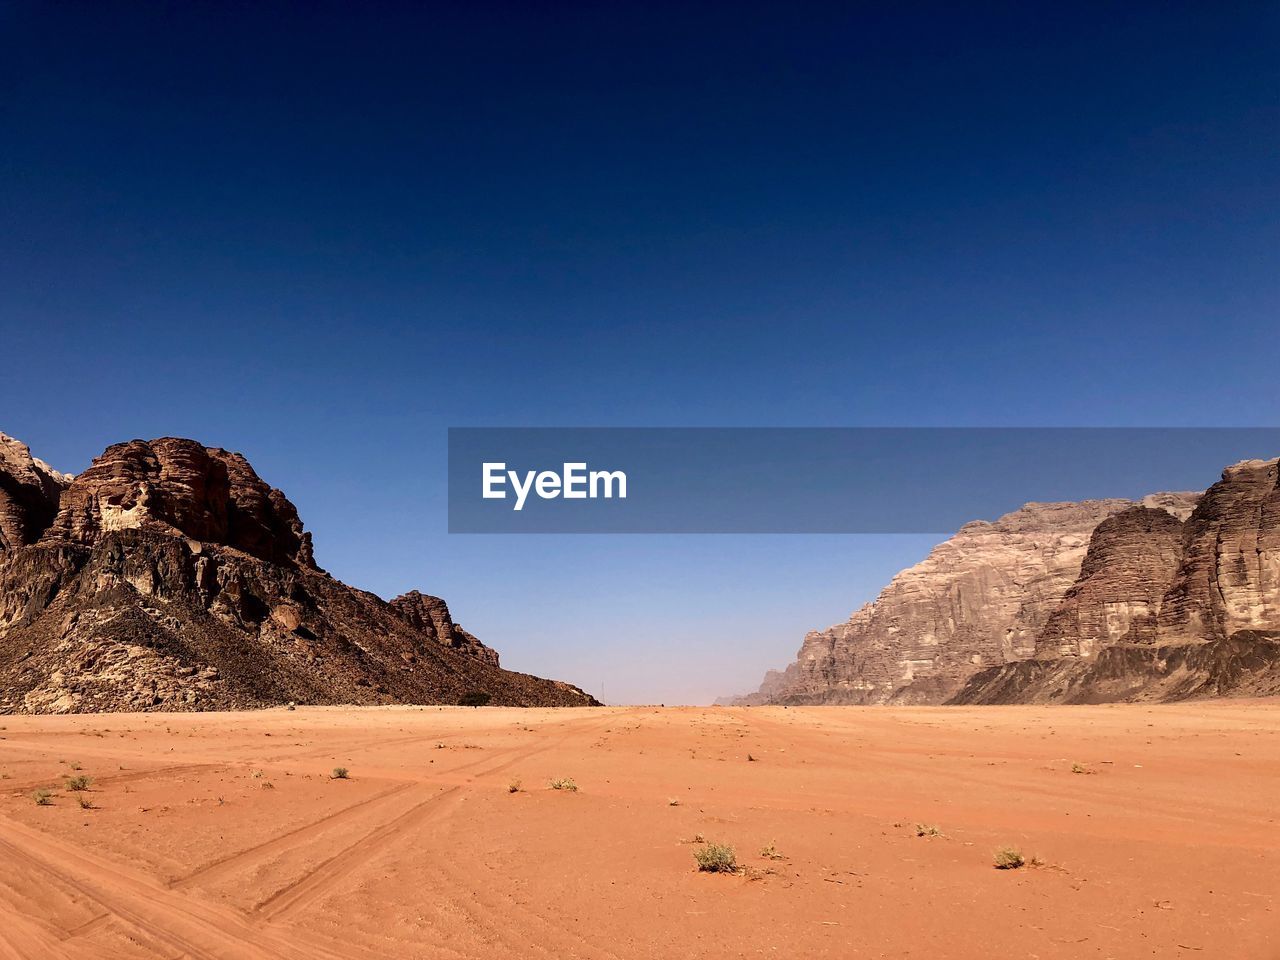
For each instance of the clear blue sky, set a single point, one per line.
(321, 234)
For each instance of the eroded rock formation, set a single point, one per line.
(431, 616)
(169, 576)
(30, 491)
(1101, 600)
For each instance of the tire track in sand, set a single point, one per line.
(312, 886)
(191, 928)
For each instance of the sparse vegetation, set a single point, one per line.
(79, 782)
(673, 802)
(928, 830)
(1009, 858)
(340, 773)
(514, 786)
(716, 858)
(85, 802)
(1081, 768)
(43, 798)
(770, 852)
(564, 783)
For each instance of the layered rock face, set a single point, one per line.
(181, 487)
(1088, 602)
(1229, 577)
(1133, 556)
(979, 599)
(169, 576)
(30, 491)
(1165, 613)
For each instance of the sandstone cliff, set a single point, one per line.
(1099, 600)
(979, 599)
(1165, 609)
(169, 576)
(30, 491)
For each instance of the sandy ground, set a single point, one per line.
(225, 835)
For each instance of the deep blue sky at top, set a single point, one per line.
(323, 233)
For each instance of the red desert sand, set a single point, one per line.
(1147, 831)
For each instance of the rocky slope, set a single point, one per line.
(1175, 596)
(169, 576)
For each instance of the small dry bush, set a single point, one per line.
(564, 783)
(1009, 858)
(716, 858)
(78, 783)
(928, 830)
(43, 798)
(340, 773)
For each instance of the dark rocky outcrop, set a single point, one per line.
(171, 577)
(430, 615)
(30, 492)
(176, 486)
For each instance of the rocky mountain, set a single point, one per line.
(1174, 596)
(169, 576)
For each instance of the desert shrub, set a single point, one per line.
(514, 786)
(716, 858)
(85, 802)
(564, 783)
(928, 830)
(1009, 858)
(770, 852)
(79, 782)
(340, 773)
(43, 798)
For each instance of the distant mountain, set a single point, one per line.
(1172, 597)
(169, 576)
